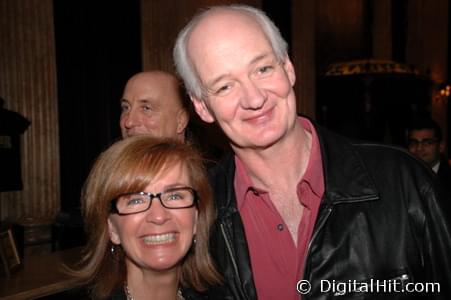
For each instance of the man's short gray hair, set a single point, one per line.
(185, 67)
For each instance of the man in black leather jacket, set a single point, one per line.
(367, 223)
(378, 219)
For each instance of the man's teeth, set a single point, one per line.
(159, 239)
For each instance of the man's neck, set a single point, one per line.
(283, 163)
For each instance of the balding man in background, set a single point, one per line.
(153, 103)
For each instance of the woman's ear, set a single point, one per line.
(114, 235)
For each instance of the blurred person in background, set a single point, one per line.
(425, 141)
(153, 103)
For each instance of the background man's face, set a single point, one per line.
(425, 145)
(150, 107)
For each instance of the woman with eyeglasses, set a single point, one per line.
(147, 209)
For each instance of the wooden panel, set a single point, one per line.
(427, 31)
(28, 84)
(382, 45)
(303, 55)
(342, 31)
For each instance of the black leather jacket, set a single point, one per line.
(378, 219)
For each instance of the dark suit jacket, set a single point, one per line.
(444, 175)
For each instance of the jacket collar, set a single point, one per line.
(345, 174)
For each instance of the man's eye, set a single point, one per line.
(125, 107)
(146, 108)
(265, 69)
(222, 89)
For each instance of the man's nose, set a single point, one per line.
(253, 96)
(131, 119)
(420, 145)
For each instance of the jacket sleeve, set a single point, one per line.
(437, 242)
(227, 242)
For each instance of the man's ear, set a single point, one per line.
(114, 235)
(202, 109)
(182, 120)
(289, 69)
(442, 147)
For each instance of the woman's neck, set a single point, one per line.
(145, 284)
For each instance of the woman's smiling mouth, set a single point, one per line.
(159, 239)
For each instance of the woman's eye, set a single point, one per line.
(135, 201)
(174, 196)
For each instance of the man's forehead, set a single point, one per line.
(422, 133)
(152, 88)
(154, 80)
(231, 34)
(222, 20)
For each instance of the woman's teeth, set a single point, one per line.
(159, 239)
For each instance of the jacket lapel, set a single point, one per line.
(346, 176)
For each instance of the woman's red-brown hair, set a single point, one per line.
(129, 166)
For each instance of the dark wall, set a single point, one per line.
(98, 48)
(376, 107)
(343, 32)
(373, 107)
(399, 30)
(280, 12)
(449, 74)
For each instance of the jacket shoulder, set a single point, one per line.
(391, 158)
(371, 153)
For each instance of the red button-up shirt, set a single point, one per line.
(277, 264)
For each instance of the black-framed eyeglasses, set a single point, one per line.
(425, 142)
(174, 198)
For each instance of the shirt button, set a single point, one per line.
(280, 227)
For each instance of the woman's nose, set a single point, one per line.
(157, 213)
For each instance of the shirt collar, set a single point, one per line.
(313, 175)
(242, 182)
(436, 167)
